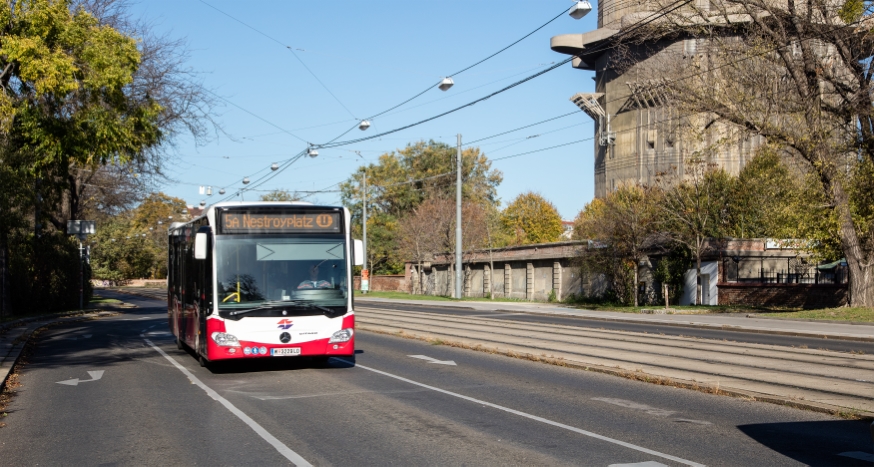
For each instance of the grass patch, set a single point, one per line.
(858, 314)
(99, 299)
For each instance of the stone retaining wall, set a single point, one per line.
(784, 295)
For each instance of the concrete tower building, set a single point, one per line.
(637, 134)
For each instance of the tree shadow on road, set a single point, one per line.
(816, 443)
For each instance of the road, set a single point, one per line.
(153, 404)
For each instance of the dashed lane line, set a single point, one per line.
(531, 417)
(284, 450)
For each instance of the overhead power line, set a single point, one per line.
(290, 49)
(333, 143)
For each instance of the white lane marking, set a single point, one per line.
(635, 406)
(863, 456)
(433, 360)
(95, 375)
(532, 417)
(292, 456)
(327, 394)
(640, 464)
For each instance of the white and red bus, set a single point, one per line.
(263, 279)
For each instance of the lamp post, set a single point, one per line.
(365, 273)
(81, 229)
(458, 246)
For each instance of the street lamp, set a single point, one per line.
(448, 82)
(365, 124)
(580, 9)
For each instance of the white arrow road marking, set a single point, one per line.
(434, 360)
(95, 375)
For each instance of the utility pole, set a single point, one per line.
(365, 274)
(458, 246)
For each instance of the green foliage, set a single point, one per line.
(120, 252)
(157, 207)
(125, 248)
(669, 269)
(532, 219)
(852, 10)
(400, 181)
(280, 195)
(551, 297)
(45, 273)
(766, 199)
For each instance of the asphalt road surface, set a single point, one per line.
(117, 391)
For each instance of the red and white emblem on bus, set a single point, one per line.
(285, 323)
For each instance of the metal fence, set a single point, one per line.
(801, 274)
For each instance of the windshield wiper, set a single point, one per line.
(280, 303)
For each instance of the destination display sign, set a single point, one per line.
(275, 222)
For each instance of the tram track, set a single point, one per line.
(834, 378)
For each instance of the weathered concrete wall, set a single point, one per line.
(392, 283)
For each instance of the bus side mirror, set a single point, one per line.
(200, 241)
(358, 252)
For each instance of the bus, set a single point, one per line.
(262, 280)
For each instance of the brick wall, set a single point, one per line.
(384, 283)
(784, 295)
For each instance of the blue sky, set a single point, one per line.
(372, 56)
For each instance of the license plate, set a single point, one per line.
(285, 352)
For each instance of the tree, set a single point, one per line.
(767, 199)
(800, 75)
(401, 181)
(84, 87)
(532, 219)
(120, 253)
(418, 234)
(623, 221)
(694, 209)
(280, 195)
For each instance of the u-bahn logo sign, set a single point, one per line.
(324, 220)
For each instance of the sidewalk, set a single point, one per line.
(722, 321)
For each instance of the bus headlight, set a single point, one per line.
(225, 340)
(343, 335)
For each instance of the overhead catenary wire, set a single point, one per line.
(333, 143)
(289, 48)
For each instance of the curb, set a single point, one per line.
(808, 320)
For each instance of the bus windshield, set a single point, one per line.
(277, 276)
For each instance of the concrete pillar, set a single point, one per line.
(487, 280)
(556, 279)
(529, 281)
(508, 280)
(414, 281)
